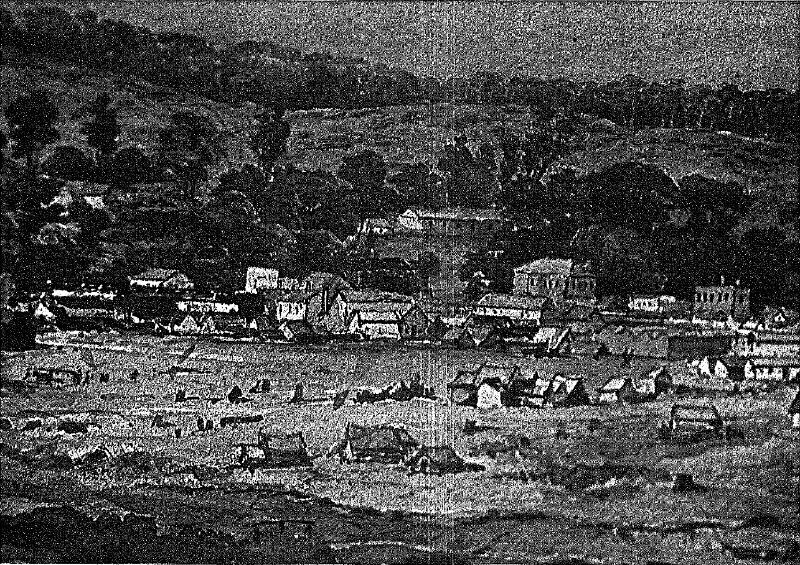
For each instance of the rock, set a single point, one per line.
(5, 424)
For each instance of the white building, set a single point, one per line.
(260, 278)
(207, 306)
(517, 308)
(650, 304)
(772, 369)
(375, 324)
(292, 307)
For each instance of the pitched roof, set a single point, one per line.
(560, 266)
(459, 214)
(615, 384)
(377, 316)
(494, 370)
(496, 300)
(371, 295)
(157, 274)
(776, 362)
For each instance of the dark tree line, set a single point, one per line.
(272, 76)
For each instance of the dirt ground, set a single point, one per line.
(595, 483)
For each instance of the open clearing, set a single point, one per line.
(595, 484)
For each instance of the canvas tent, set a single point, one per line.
(384, 443)
(439, 460)
(275, 450)
(490, 395)
(554, 390)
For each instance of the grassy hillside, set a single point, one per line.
(402, 134)
(143, 109)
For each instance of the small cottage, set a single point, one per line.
(188, 325)
(656, 381)
(292, 306)
(372, 324)
(618, 390)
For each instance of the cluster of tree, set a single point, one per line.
(643, 232)
(272, 76)
(212, 236)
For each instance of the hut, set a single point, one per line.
(695, 417)
(463, 390)
(570, 391)
(439, 461)
(384, 443)
(617, 390)
(284, 450)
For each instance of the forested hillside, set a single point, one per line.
(209, 177)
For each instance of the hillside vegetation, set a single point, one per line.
(198, 179)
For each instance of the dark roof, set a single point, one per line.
(794, 407)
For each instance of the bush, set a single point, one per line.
(69, 163)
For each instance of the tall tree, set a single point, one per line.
(102, 130)
(268, 139)
(189, 145)
(32, 124)
(366, 172)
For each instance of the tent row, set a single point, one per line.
(493, 385)
(382, 443)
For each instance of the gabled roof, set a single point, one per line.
(496, 370)
(615, 384)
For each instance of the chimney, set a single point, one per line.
(324, 300)
(722, 280)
